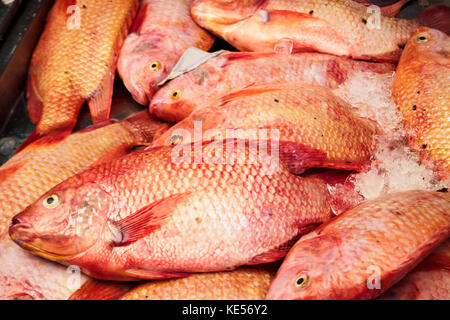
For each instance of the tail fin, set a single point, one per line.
(436, 17)
(145, 127)
(101, 290)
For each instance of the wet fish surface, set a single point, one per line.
(364, 251)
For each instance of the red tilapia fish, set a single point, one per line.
(75, 62)
(313, 127)
(429, 281)
(39, 167)
(161, 33)
(24, 276)
(344, 27)
(169, 211)
(422, 92)
(364, 251)
(238, 70)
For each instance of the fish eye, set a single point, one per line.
(302, 281)
(176, 139)
(422, 39)
(51, 201)
(155, 65)
(175, 95)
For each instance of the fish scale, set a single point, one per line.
(238, 203)
(36, 169)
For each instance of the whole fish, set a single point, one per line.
(430, 280)
(364, 251)
(169, 211)
(422, 92)
(238, 70)
(313, 127)
(245, 283)
(39, 167)
(75, 62)
(163, 30)
(340, 27)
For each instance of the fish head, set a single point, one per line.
(429, 44)
(64, 222)
(145, 60)
(306, 271)
(177, 99)
(211, 14)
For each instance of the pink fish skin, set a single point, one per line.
(340, 27)
(161, 33)
(307, 119)
(389, 8)
(430, 280)
(160, 216)
(232, 71)
(364, 251)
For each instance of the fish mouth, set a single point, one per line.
(40, 252)
(23, 235)
(172, 112)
